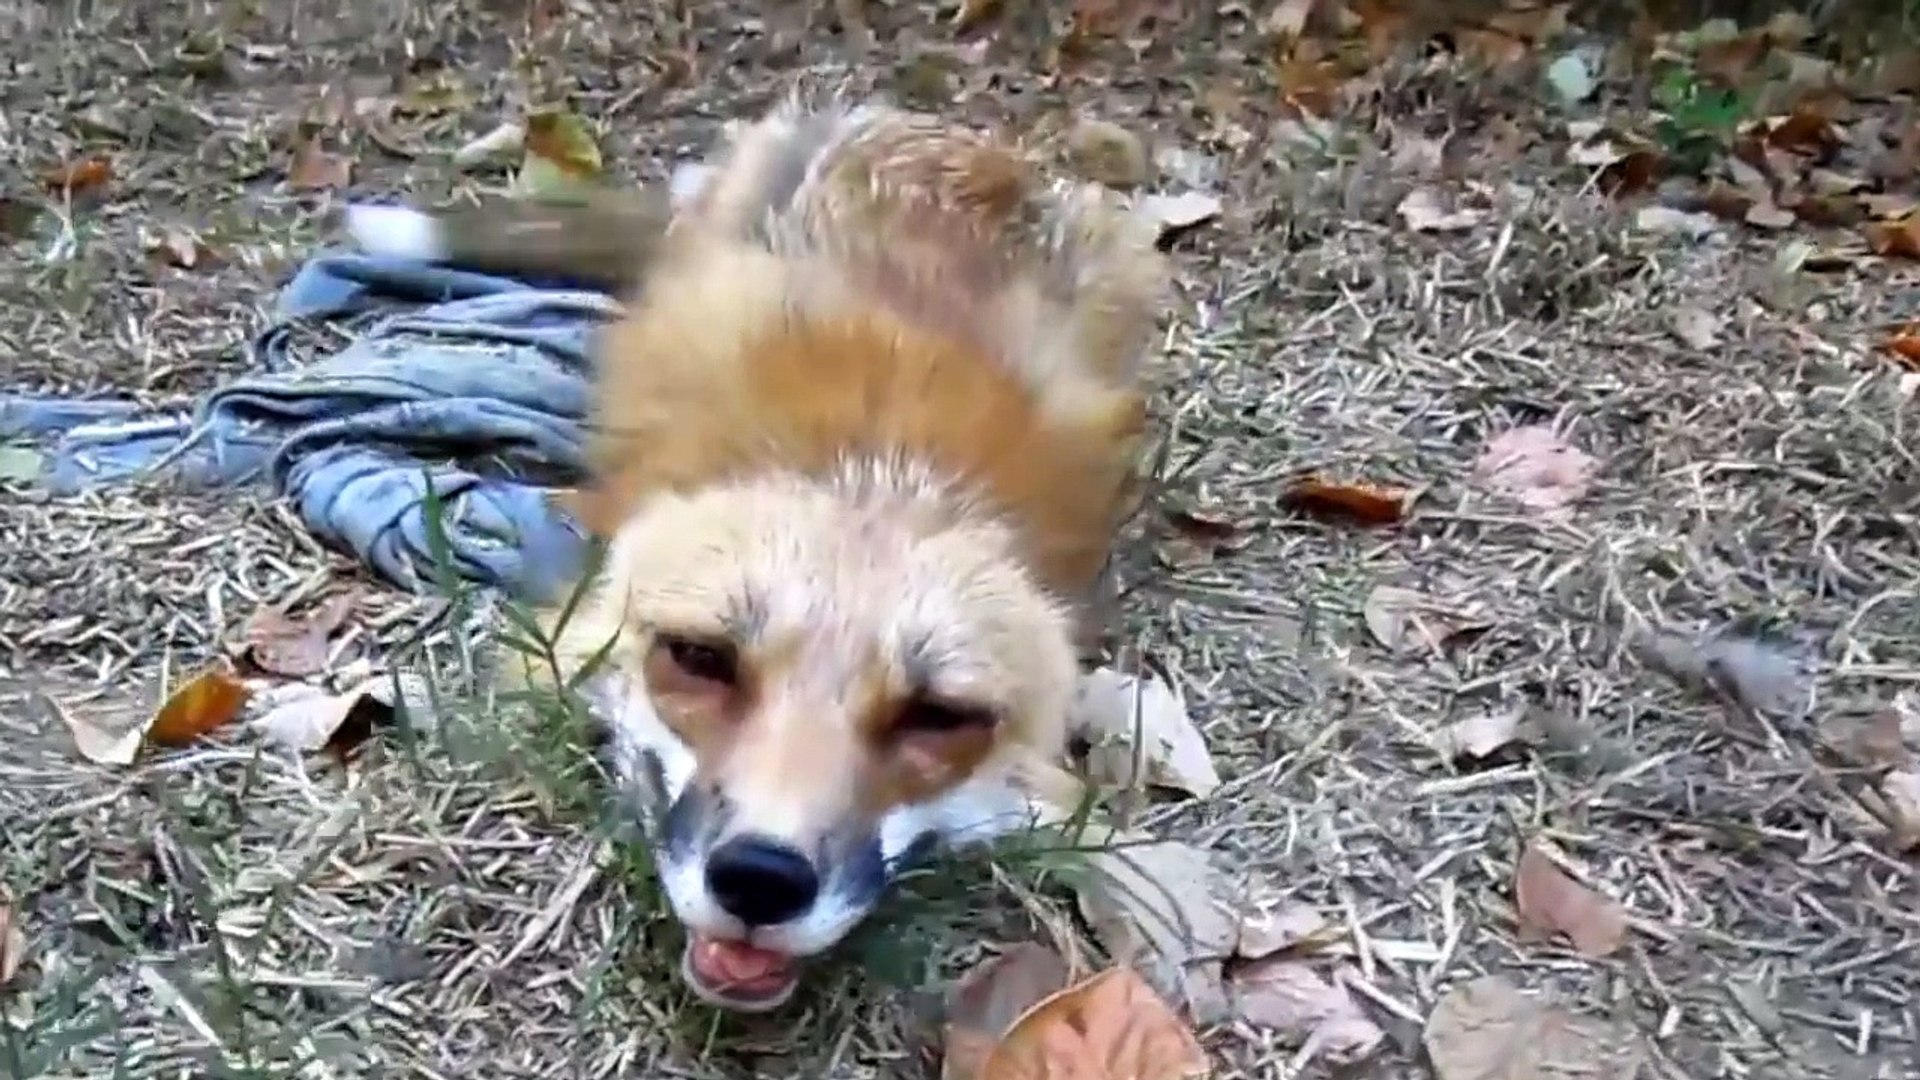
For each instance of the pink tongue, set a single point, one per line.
(735, 964)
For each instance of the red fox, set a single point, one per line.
(864, 441)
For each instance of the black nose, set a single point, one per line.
(759, 881)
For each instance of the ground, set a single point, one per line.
(218, 910)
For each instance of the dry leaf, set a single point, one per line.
(296, 647)
(984, 1004)
(1285, 994)
(1424, 210)
(1481, 735)
(1899, 238)
(1156, 902)
(210, 700)
(1697, 327)
(180, 247)
(1367, 504)
(1407, 620)
(1906, 346)
(102, 743)
(1873, 741)
(1767, 215)
(1175, 214)
(1666, 219)
(313, 168)
(1488, 1030)
(315, 720)
(1535, 467)
(13, 941)
(1106, 153)
(1140, 731)
(1550, 902)
(1901, 789)
(1110, 1026)
(78, 177)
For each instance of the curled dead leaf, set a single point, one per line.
(1365, 504)
(1140, 734)
(1175, 214)
(295, 646)
(316, 720)
(1535, 467)
(1550, 902)
(1285, 994)
(984, 1004)
(1407, 620)
(210, 700)
(314, 168)
(1111, 1025)
(1898, 238)
(1157, 903)
(1488, 1029)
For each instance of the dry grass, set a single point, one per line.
(442, 909)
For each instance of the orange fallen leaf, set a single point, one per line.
(1906, 345)
(1804, 129)
(1550, 902)
(209, 701)
(1899, 238)
(1110, 1025)
(313, 168)
(78, 177)
(1368, 504)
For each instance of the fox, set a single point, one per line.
(863, 442)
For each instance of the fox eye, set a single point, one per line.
(710, 661)
(926, 714)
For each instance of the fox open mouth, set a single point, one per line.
(737, 975)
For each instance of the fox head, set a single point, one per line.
(810, 683)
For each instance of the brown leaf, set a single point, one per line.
(13, 941)
(1111, 1025)
(313, 168)
(1285, 994)
(1366, 504)
(1535, 467)
(1766, 215)
(78, 177)
(210, 700)
(1488, 1030)
(1157, 902)
(984, 1004)
(1905, 345)
(295, 646)
(1805, 130)
(1407, 620)
(1899, 238)
(1873, 741)
(1550, 902)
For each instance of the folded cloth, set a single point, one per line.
(471, 386)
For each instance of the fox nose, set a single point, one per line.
(761, 881)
